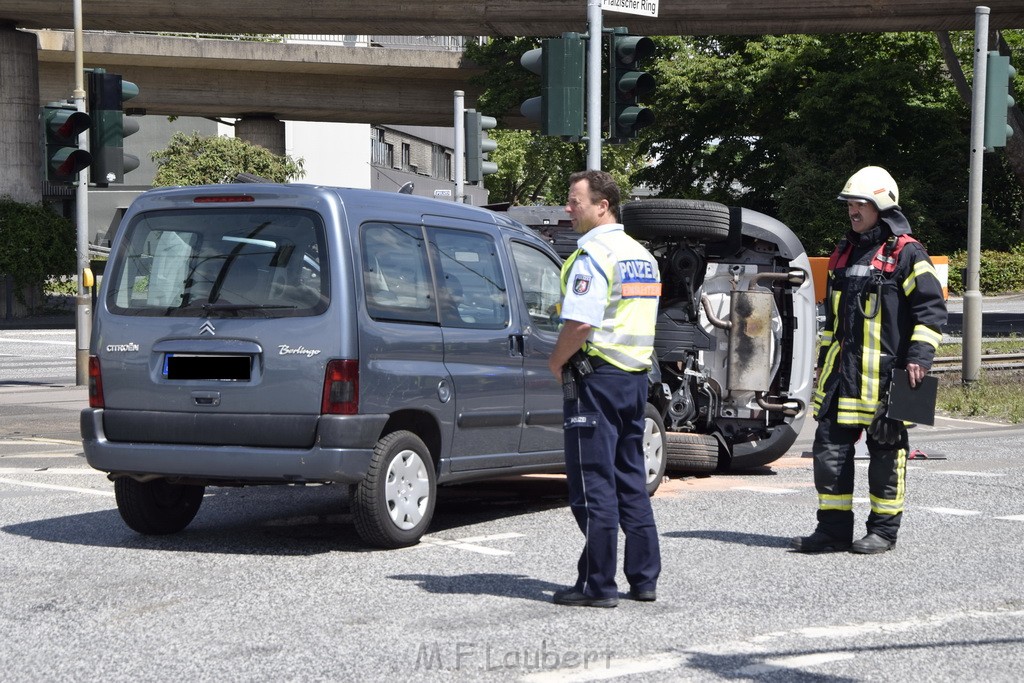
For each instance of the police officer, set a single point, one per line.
(885, 310)
(610, 288)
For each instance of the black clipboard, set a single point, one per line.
(912, 404)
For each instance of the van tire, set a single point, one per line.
(691, 452)
(393, 505)
(157, 507)
(692, 218)
(655, 452)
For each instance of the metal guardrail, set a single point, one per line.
(993, 361)
(438, 43)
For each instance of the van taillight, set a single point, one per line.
(341, 388)
(95, 383)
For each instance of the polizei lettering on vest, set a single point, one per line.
(636, 270)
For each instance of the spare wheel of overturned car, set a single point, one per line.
(693, 218)
(691, 452)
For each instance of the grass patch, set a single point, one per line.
(998, 395)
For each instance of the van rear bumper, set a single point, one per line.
(327, 460)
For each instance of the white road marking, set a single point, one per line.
(1013, 518)
(953, 511)
(790, 663)
(36, 442)
(967, 473)
(597, 670)
(470, 543)
(766, 489)
(52, 487)
(38, 341)
(50, 470)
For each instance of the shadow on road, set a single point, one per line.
(285, 521)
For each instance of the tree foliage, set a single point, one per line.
(778, 123)
(35, 243)
(194, 159)
(532, 168)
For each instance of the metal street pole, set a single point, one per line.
(83, 301)
(596, 29)
(972, 281)
(460, 147)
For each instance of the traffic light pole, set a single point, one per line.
(83, 300)
(593, 85)
(972, 277)
(460, 148)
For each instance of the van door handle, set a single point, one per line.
(206, 398)
(516, 345)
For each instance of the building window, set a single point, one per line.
(382, 153)
(407, 157)
(442, 163)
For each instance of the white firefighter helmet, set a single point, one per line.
(872, 184)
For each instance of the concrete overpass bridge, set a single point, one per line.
(328, 83)
(510, 17)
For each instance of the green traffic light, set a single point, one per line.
(63, 160)
(560, 64)
(628, 84)
(998, 101)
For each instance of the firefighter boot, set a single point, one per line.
(872, 544)
(818, 542)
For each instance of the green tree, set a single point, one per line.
(194, 159)
(777, 124)
(532, 168)
(35, 244)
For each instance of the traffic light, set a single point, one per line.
(998, 100)
(478, 145)
(560, 64)
(62, 158)
(627, 85)
(107, 93)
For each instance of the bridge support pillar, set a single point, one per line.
(263, 130)
(21, 133)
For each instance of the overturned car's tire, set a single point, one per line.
(693, 218)
(691, 452)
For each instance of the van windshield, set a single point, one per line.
(222, 262)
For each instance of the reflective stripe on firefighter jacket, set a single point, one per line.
(885, 309)
(626, 336)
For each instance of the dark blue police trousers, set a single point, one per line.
(607, 479)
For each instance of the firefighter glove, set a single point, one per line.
(884, 430)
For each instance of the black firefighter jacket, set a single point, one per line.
(876, 320)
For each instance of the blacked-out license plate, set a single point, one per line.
(182, 366)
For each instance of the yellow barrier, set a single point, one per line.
(819, 271)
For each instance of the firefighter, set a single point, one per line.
(885, 310)
(610, 288)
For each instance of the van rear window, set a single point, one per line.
(221, 262)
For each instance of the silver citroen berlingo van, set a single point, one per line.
(292, 334)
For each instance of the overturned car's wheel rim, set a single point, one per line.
(654, 448)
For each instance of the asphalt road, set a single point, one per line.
(273, 583)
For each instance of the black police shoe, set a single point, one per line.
(574, 598)
(643, 595)
(818, 542)
(872, 544)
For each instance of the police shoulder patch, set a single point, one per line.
(581, 285)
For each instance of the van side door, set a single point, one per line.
(480, 353)
(537, 294)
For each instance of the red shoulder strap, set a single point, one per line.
(840, 256)
(888, 254)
